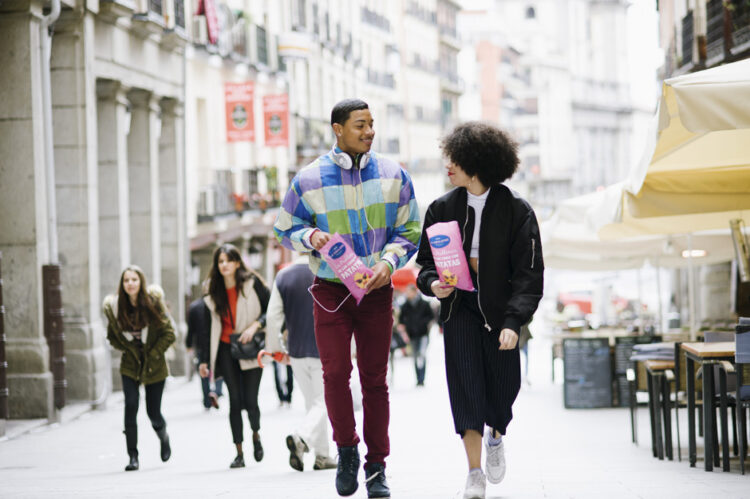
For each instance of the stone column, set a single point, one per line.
(113, 118)
(143, 178)
(76, 177)
(23, 226)
(173, 222)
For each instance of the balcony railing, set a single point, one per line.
(381, 78)
(374, 19)
(262, 45)
(425, 15)
(448, 31)
(740, 26)
(220, 199)
(687, 38)
(179, 13)
(715, 46)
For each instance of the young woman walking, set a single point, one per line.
(237, 299)
(141, 328)
(502, 245)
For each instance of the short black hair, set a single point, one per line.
(341, 111)
(483, 150)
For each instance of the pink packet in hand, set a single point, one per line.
(347, 266)
(447, 251)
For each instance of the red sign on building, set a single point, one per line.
(239, 107)
(276, 119)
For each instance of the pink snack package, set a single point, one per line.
(347, 266)
(449, 256)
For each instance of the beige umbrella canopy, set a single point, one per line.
(569, 242)
(695, 173)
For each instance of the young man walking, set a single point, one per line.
(369, 201)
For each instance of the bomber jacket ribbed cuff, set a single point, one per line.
(513, 323)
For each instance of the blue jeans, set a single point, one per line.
(419, 350)
(206, 388)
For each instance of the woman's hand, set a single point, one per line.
(508, 339)
(440, 289)
(203, 370)
(248, 333)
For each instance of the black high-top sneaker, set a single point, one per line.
(377, 486)
(346, 472)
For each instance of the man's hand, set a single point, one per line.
(440, 289)
(508, 339)
(203, 370)
(319, 239)
(380, 277)
(248, 333)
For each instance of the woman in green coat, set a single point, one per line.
(140, 327)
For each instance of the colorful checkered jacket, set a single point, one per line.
(372, 208)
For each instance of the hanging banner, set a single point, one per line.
(239, 108)
(276, 119)
(207, 8)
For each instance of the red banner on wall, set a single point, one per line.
(239, 108)
(276, 119)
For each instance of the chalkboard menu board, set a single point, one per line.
(588, 373)
(623, 351)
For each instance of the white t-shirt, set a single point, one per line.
(476, 202)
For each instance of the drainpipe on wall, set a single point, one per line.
(49, 158)
(51, 282)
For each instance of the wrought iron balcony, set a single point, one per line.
(715, 33)
(687, 38)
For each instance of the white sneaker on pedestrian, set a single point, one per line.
(325, 463)
(494, 464)
(476, 483)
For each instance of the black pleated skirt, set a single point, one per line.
(483, 382)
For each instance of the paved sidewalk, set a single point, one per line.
(551, 452)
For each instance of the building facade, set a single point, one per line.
(398, 56)
(93, 184)
(558, 75)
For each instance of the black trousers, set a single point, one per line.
(154, 392)
(243, 389)
(483, 382)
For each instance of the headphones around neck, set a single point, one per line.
(345, 161)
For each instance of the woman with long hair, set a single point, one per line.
(141, 328)
(237, 298)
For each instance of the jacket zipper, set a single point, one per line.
(479, 292)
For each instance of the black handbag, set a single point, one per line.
(249, 350)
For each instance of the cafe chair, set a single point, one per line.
(742, 394)
(725, 382)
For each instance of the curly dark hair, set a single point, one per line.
(483, 150)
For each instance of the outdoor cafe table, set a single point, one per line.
(706, 354)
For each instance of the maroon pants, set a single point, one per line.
(371, 324)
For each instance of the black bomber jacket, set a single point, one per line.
(511, 268)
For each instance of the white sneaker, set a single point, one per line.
(494, 464)
(476, 483)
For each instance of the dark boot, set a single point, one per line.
(131, 439)
(257, 448)
(346, 472)
(166, 450)
(377, 487)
